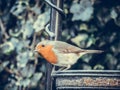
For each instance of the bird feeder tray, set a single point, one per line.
(86, 79)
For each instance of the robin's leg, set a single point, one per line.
(53, 69)
(67, 68)
(64, 68)
(61, 69)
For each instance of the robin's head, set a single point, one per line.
(45, 49)
(43, 44)
(40, 45)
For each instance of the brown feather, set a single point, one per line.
(65, 47)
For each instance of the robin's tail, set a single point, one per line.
(93, 51)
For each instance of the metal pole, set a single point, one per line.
(56, 27)
(56, 18)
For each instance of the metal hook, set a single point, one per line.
(51, 34)
(55, 7)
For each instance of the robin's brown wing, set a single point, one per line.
(66, 48)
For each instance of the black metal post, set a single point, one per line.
(56, 27)
(56, 18)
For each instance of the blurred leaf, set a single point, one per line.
(27, 30)
(21, 45)
(14, 41)
(80, 40)
(83, 40)
(82, 11)
(98, 67)
(22, 59)
(111, 61)
(113, 14)
(3, 65)
(19, 8)
(66, 35)
(83, 27)
(86, 58)
(86, 67)
(25, 82)
(43, 68)
(11, 87)
(15, 33)
(41, 21)
(36, 9)
(103, 17)
(7, 47)
(27, 71)
(118, 67)
(36, 77)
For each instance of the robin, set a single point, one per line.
(60, 53)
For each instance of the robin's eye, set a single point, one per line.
(43, 45)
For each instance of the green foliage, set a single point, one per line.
(89, 24)
(82, 11)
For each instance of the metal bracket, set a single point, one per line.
(87, 79)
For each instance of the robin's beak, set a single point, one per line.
(35, 50)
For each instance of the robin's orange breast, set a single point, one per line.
(48, 54)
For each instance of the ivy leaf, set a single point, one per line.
(36, 77)
(22, 59)
(19, 8)
(7, 47)
(3, 65)
(41, 21)
(82, 11)
(27, 71)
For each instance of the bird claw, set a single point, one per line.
(64, 68)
